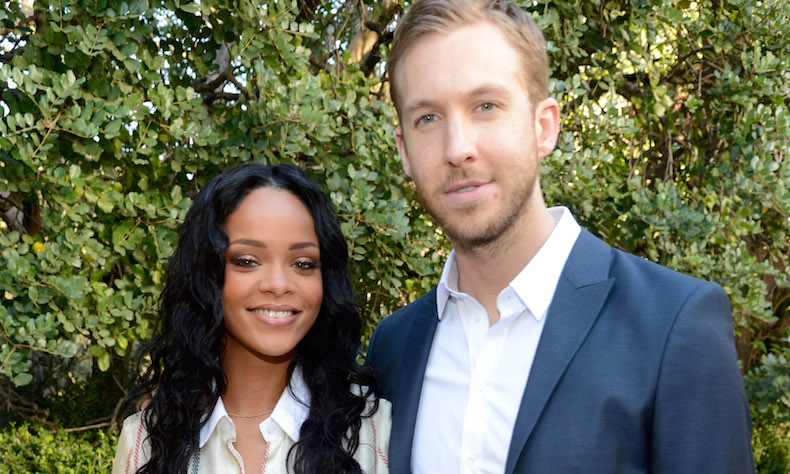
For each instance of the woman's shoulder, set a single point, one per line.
(133, 421)
(132, 449)
(132, 428)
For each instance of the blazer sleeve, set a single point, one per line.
(702, 420)
(381, 358)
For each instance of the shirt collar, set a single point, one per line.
(537, 281)
(218, 414)
(289, 413)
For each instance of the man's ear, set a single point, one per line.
(404, 157)
(547, 125)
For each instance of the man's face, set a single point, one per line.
(468, 132)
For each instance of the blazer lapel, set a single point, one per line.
(415, 358)
(581, 292)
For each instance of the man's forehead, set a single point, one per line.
(469, 59)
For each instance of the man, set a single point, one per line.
(542, 349)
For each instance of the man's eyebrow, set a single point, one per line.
(420, 104)
(477, 91)
(487, 89)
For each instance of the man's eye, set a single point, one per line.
(487, 107)
(428, 118)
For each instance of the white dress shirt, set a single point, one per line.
(280, 432)
(476, 374)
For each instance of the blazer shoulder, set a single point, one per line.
(393, 331)
(635, 279)
(425, 303)
(641, 269)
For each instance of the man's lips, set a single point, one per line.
(465, 186)
(465, 193)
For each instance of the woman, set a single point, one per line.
(252, 365)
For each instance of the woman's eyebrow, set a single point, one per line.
(251, 242)
(302, 245)
(258, 243)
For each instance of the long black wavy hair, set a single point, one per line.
(184, 377)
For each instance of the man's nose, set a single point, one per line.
(459, 145)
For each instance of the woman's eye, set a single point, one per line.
(243, 262)
(306, 264)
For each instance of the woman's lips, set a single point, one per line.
(275, 316)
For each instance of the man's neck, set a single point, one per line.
(484, 271)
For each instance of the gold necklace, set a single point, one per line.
(250, 416)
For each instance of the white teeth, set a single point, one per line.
(466, 189)
(273, 314)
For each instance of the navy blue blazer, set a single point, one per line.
(635, 372)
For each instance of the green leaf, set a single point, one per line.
(103, 361)
(121, 231)
(190, 7)
(73, 287)
(105, 204)
(113, 128)
(22, 379)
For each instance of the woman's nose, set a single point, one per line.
(275, 280)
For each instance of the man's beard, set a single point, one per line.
(490, 234)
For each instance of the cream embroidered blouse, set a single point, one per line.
(280, 430)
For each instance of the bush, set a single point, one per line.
(30, 448)
(768, 388)
(771, 445)
(106, 133)
(114, 114)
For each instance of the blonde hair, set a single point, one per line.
(425, 17)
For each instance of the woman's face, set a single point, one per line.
(273, 287)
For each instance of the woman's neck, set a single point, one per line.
(253, 385)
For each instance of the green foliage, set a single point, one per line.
(34, 449)
(108, 132)
(768, 388)
(771, 446)
(114, 114)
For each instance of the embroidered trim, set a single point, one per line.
(135, 450)
(235, 455)
(265, 457)
(196, 462)
(379, 452)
